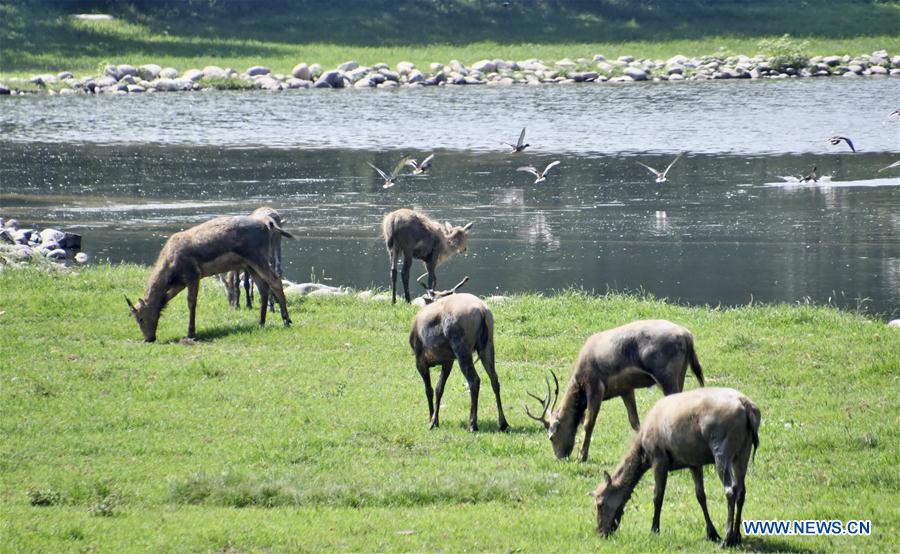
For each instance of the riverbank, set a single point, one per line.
(314, 437)
(149, 78)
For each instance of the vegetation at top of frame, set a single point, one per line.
(39, 36)
(314, 437)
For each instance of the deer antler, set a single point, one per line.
(545, 402)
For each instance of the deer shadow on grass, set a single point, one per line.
(222, 331)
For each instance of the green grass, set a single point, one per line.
(314, 437)
(35, 40)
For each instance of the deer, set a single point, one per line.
(416, 236)
(687, 430)
(233, 279)
(448, 330)
(216, 246)
(613, 363)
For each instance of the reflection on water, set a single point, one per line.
(723, 229)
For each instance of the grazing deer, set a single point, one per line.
(233, 279)
(690, 429)
(614, 363)
(416, 236)
(450, 329)
(219, 245)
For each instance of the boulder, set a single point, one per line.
(81, 257)
(404, 68)
(365, 82)
(134, 89)
(126, 69)
(334, 78)
(484, 66)
(106, 81)
(415, 76)
(348, 66)
(214, 72)
(436, 67)
(258, 70)
(635, 73)
(149, 71)
(56, 254)
(390, 75)
(168, 73)
(599, 58)
(165, 85)
(294, 82)
(111, 71)
(457, 66)
(63, 75)
(831, 60)
(878, 70)
(301, 71)
(314, 71)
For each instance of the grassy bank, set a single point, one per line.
(34, 40)
(315, 437)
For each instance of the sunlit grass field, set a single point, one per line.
(315, 437)
(36, 40)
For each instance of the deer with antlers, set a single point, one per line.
(614, 363)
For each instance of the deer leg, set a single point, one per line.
(631, 407)
(439, 392)
(723, 468)
(425, 372)
(661, 473)
(487, 360)
(263, 293)
(711, 533)
(393, 278)
(275, 263)
(740, 471)
(193, 289)
(248, 289)
(404, 275)
(594, 398)
(461, 350)
(264, 276)
(432, 277)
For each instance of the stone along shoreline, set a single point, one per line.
(149, 78)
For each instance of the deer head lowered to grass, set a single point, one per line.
(415, 236)
(217, 246)
(614, 363)
(687, 430)
(432, 295)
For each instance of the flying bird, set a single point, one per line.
(389, 179)
(893, 165)
(661, 175)
(810, 177)
(836, 139)
(539, 177)
(419, 168)
(895, 112)
(519, 146)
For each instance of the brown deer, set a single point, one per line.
(614, 363)
(233, 279)
(690, 429)
(415, 236)
(450, 329)
(219, 245)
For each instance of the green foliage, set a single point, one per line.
(785, 52)
(315, 438)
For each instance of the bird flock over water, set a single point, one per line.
(418, 168)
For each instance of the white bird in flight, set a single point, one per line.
(661, 175)
(419, 168)
(539, 177)
(518, 146)
(389, 179)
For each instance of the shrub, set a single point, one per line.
(784, 52)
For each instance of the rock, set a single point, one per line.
(599, 58)
(258, 70)
(301, 71)
(106, 81)
(127, 80)
(485, 66)
(168, 73)
(135, 89)
(334, 78)
(149, 71)
(625, 59)
(390, 75)
(294, 82)
(165, 85)
(4, 90)
(365, 82)
(566, 63)
(126, 69)
(849, 74)
(404, 68)
(67, 91)
(6, 237)
(622, 79)
(878, 70)
(415, 76)
(831, 60)
(676, 77)
(56, 254)
(314, 71)
(322, 83)
(213, 72)
(635, 73)
(670, 70)
(389, 84)
(457, 66)
(348, 66)
(473, 81)
(63, 75)
(436, 67)
(11, 224)
(855, 68)
(356, 74)
(81, 258)
(111, 71)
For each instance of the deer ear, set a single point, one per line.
(607, 478)
(448, 226)
(468, 226)
(130, 305)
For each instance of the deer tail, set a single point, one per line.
(753, 420)
(692, 359)
(388, 228)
